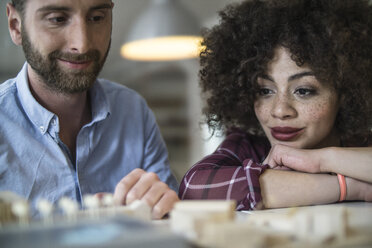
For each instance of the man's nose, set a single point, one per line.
(79, 37)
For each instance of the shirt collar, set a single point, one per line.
(41, 117)
(100, 106)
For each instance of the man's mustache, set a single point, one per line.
(88, 56)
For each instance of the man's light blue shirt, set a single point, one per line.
(34, 163)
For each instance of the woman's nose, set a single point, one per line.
(283, 107)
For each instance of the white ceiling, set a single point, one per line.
(125, 13)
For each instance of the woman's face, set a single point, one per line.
(293, 107)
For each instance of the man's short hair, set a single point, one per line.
(19, 5)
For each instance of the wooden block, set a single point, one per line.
(206, 206)
(138, 209)
(316, 224)
(188, 217)
(69, 207)
(279, 222)
(21, 209)
(13, 208)
(239, 235)
(45, 209)
(321, 224)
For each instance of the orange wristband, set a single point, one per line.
(342, 183)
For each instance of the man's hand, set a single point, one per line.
(146, 186)
(288, 158)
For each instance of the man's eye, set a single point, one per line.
(57, 19)
(96, 18)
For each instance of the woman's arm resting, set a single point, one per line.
(278, 188)
(352, 162)
(288, 189)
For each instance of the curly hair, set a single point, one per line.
(333, 38)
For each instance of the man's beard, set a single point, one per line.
(57, 79)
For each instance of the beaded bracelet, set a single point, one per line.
(342, 183)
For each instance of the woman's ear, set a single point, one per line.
(14, 24)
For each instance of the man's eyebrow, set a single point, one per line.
(102, 6)
(63, 8)
(53, 8)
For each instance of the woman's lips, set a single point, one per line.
(285, 133)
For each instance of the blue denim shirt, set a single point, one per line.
(123, 135)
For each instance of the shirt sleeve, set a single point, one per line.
(155, 152)
(230, 173)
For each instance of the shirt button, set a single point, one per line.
(53, 122)
(42, 128)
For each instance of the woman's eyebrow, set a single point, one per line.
(266, 77)
(291, 78)
(300, 75)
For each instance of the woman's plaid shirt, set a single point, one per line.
(231, 172)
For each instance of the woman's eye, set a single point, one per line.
(264, 91)
(305, 92)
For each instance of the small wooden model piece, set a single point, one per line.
(13, 208)
(210, 224)
(189, 217)
(316, 224)
(69, 207)
(101, 207)
(45, 209)
(92, 205)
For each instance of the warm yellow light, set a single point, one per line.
(163, 48)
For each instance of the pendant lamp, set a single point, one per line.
(165, 31)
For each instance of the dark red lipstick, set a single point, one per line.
(285, 133)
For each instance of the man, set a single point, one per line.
(63, 132)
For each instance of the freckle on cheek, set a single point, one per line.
(318, 111)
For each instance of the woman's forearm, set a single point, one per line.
(288, 188)
(351, 162)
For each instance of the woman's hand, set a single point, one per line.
(287, 158)
(353, 162)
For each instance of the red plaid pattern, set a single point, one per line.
(231, 172)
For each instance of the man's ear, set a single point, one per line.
(14, 24)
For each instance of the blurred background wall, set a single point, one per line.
(170, 88)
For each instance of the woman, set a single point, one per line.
(290, 85)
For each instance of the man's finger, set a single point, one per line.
(165, 204)
(125, 185)
(155, 193)
(143, 184)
